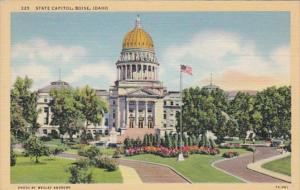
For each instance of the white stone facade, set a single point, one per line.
(44, 117)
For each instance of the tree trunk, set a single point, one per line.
(36, 159)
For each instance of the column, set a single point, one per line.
(136, 113)
(153, 73)
(142, 71)
(127, 112)
(146, 113)
(147, 71)
(126, 72)
(131, 71)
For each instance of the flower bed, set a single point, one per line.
(230, 154)
(171, 152)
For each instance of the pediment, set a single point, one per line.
(141, 92)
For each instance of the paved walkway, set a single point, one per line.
(152, 173)
(238, 166)
(141, 172)
(129, 175)
(257, 166)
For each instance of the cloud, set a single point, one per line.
(41, 61)
(99, 74)
(40, 74)
(39, 49)
(235, 62)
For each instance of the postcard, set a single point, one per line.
(144, 95)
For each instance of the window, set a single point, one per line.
(46, 109)
(165, 116)
(165, 103)
(106, 122)
(114, 114)
(114, 124)
(114, 102)
(100, 132)
(45, 131)
(106, 132)
(172, 103)
(45, 100)
(165, 125)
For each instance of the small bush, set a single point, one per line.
(56, 150)
(230, 154)
(80, 175)
(251, 148)
(78, 146)
(54, 134)
(13, 160)
(89, 151)
(117, 153)
(45, 138)
(107, 163)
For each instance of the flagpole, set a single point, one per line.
(180, 156)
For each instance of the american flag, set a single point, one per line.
(186, 69)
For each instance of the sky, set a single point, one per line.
(242, 50)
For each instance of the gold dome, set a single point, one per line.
(138, 38)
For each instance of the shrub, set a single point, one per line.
(89, 151)
(54, 134)
(106, 163)
(56, 150)
(117, 153)
(230, 154)
(46, 138)
(288, 147)
(80, 175)
(251, 148)
(78, 146)
(12, 158)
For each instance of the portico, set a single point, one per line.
(140, 113)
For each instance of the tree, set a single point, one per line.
(202, 109)
(242, 108)
(24, 112)
(92, 108)
(35, 148)
(274, 106)
(66, 111)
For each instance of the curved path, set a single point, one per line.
(152, 173)
(238, 166)
(148, 173)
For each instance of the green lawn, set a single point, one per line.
(282, 166)
(54, 171)
(196, 167)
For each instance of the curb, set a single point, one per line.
(170, 167)
(257, 167)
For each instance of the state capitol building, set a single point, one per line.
(138, 101)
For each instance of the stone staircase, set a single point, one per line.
(135, 133)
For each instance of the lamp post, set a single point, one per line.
(253, 155)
